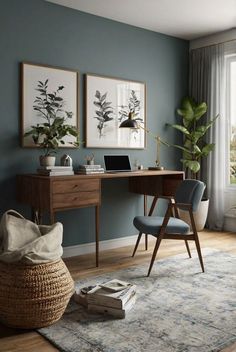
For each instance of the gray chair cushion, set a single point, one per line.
(152, 224)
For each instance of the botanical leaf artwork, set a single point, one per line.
(109, 102)
(103, 112)
(50, 107)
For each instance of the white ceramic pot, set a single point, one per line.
(200, 216)
(47, 160)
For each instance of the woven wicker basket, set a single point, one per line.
(33, 296)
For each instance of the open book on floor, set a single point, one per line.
(114, 293)
(107, 296)
(115, 312)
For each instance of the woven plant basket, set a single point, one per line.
(34, 296)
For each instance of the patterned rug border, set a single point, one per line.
(154, 275)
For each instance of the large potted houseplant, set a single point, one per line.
(194, 146)
(50, 134)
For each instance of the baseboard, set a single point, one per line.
(86, 248)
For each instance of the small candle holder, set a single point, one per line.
(90, 159)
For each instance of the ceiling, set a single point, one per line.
(186, 19)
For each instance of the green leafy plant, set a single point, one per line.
(104, 111)
(194, 147)
(49, 135)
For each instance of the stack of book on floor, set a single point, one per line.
(90, 169)
(114, 297)
(55, 170)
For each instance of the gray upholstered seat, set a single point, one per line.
(152, 225)
(188, 196)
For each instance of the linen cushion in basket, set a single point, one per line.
(22, 239)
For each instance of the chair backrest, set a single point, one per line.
(190, 192)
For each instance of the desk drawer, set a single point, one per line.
(77, 199)
(75, 186)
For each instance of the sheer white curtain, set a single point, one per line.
(214, 172)
(207, 83)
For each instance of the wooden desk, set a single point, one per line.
(59, 193)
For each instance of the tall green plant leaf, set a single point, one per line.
(193, 165)
(207, 149)
(199, 111)
(187, 114)
(180, 128)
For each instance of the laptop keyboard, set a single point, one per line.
(117, 171)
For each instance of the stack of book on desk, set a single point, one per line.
(55, 170)
(114, 297)
(90, 169)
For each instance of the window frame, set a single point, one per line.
(228, 60)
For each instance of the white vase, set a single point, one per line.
(200, 216)
(47, 160)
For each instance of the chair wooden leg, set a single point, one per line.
(145, 214)
(137, 243)
(158, 242)
(199, 251)
(188, 249)
(146, 242)
(196, 239)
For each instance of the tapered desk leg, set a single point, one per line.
(52, 217)
(149, 214)
(97, 233)
(145, 213)
(36, 216)
(40, 217)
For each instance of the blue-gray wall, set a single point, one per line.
(40, 32)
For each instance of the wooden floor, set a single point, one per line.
(83, 266)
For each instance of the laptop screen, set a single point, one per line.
(117, 163)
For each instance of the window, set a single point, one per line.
(231, 113)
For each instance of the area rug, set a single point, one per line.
(178, 309)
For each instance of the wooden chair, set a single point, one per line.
(187, 197)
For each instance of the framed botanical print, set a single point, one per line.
(49, 95)
(109, 102)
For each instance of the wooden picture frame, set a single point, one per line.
(31, 74)
(108, 103)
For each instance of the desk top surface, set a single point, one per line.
(112, 175)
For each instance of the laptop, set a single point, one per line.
(117, 163)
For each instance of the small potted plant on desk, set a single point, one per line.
(50, 134)
(194, 147)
